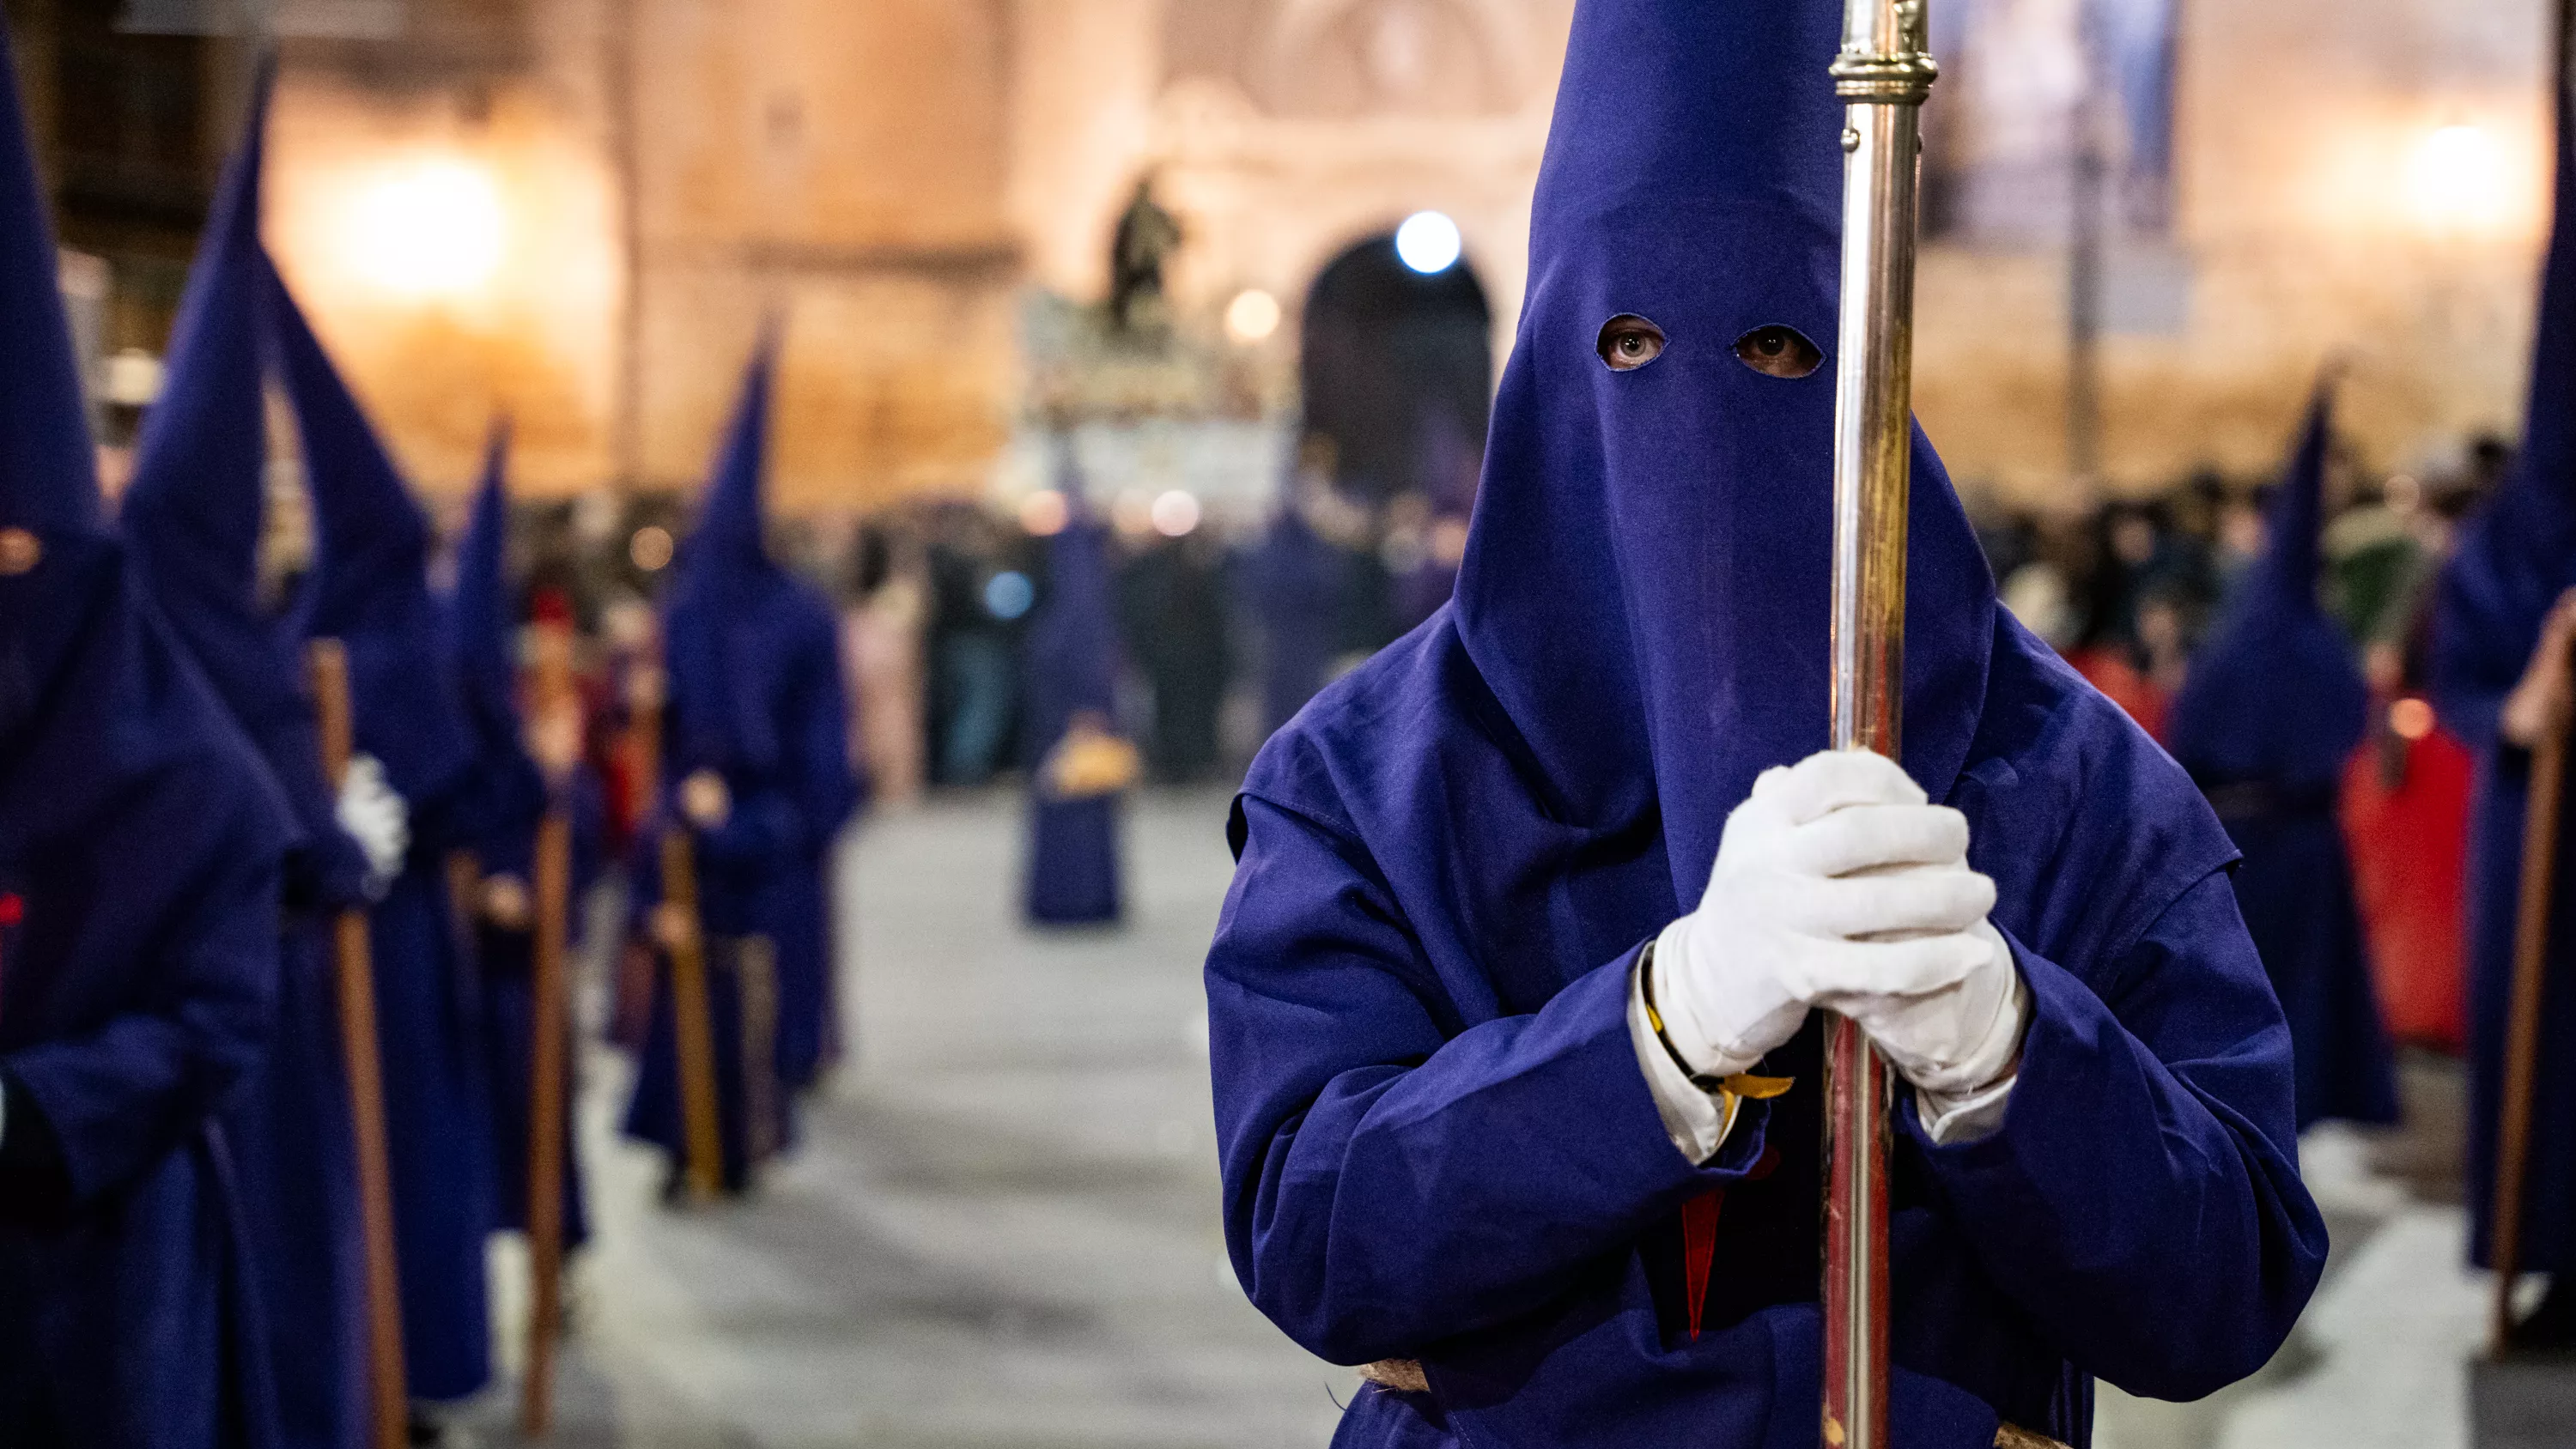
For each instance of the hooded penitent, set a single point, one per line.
(140, 842)
(1437, 1141)
(2513, 561)
(498, 821)
(1071, 663)
(1297, 583)
(369, 589)
(2272, 712)
(756, 697)
(192, 519)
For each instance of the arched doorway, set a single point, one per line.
(1397, 369)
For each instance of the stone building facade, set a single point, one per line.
(651, 178)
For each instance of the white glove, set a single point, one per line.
(376, 818)
(1837, 885)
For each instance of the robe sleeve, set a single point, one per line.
(2141, 1198)
(118, 1097)
(1392, 1179)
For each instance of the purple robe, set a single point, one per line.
(1436, 1141)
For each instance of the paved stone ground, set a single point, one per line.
(1000, 1229)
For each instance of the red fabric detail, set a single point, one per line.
(1765, 1165)
(13, 909)
(2406, 821)
(2108, 669)
(1699, 1249)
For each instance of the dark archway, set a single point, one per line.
(1392, 360)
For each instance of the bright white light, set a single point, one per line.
(2457, 177)
(1043, 514)
(1175, 514)
(1252, 316)
(428, 228)
(1428, 242)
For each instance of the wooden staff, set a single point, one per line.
(550, 1028)
(2544, 801)
(328, 663)
(1883, 75)
(693, 1037)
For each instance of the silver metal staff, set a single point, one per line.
(1883, 75)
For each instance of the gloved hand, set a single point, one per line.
(1960, 1039)
(377, 819)
(1837, 885)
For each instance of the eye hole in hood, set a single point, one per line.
(1778, 351)
(1629, 342)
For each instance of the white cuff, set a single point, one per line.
(1964, 1119)
(1979, 1111)
(1696, 1121)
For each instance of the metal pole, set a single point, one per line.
(1883, 74)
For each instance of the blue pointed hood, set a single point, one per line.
(732, 607)
(193, 513)
(498, 811)
(48, 472)
(1647, 587)
(2275, 696)
(369, 587)
(192, 516)
(728, 540)
(482, 625)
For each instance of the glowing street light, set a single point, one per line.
(1175, 514)
(428, 228)
(1044, 514)
(1252, 316)
(1429, 243)
(2457, 178)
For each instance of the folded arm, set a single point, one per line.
(1393, 1176)
(2141, 1197)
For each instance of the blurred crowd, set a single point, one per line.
(1227, 626)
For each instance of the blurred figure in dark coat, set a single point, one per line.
(1173, 598)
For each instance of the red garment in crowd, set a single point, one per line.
(2406, 816)
(2107, 668)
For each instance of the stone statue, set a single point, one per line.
(1147, 237)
